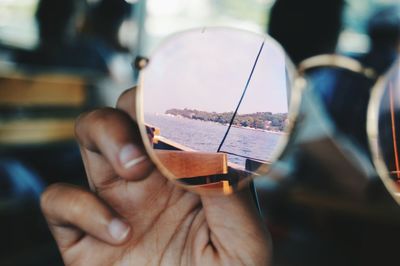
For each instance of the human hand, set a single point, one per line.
(133, 215)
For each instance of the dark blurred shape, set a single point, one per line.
(110, 27)
(18, 184)
(104, 19)
(60, 45)
(384, 27)
(345, 95)
(310, 28)
(24, 235)
(55, 20)
(384, 33)
(306, 28)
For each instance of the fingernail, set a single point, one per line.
(118, 229)
(130, 156)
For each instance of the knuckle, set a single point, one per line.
(77, 204)
(122, 97)
(79, 121)
(102, 118)
(47, 199)
(93, 122)
(65, 204)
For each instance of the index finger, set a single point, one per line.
(127, 102)
(72, 212)
(109, 136)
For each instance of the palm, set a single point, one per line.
(153, 216)
(170, 227)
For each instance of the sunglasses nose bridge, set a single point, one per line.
(140, 62)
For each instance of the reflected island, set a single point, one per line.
(260, 120)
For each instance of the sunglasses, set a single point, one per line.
(216, 107)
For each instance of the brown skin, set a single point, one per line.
(165, 224)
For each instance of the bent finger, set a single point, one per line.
(127, 102)
(111, 133)
(72, 213)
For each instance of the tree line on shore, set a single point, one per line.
(258, 120)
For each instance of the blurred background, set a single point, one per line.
(60, 58)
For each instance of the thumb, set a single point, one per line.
(235, 224)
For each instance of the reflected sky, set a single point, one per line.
(207, 70)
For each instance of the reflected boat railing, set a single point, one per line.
(226, 178)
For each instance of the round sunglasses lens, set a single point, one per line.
(215, 107)
(389, 128)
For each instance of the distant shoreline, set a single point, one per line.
(268, 121)
(221, 124)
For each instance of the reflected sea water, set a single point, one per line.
(207, 136)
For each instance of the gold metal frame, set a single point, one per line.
(373, 131)
(298, 85)
(339, 61)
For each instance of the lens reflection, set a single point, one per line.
(215, 102)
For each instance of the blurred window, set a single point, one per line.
(354, 38)
(166, 17)
(160, 18)
(17, 23)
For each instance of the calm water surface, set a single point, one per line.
(206, 136)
